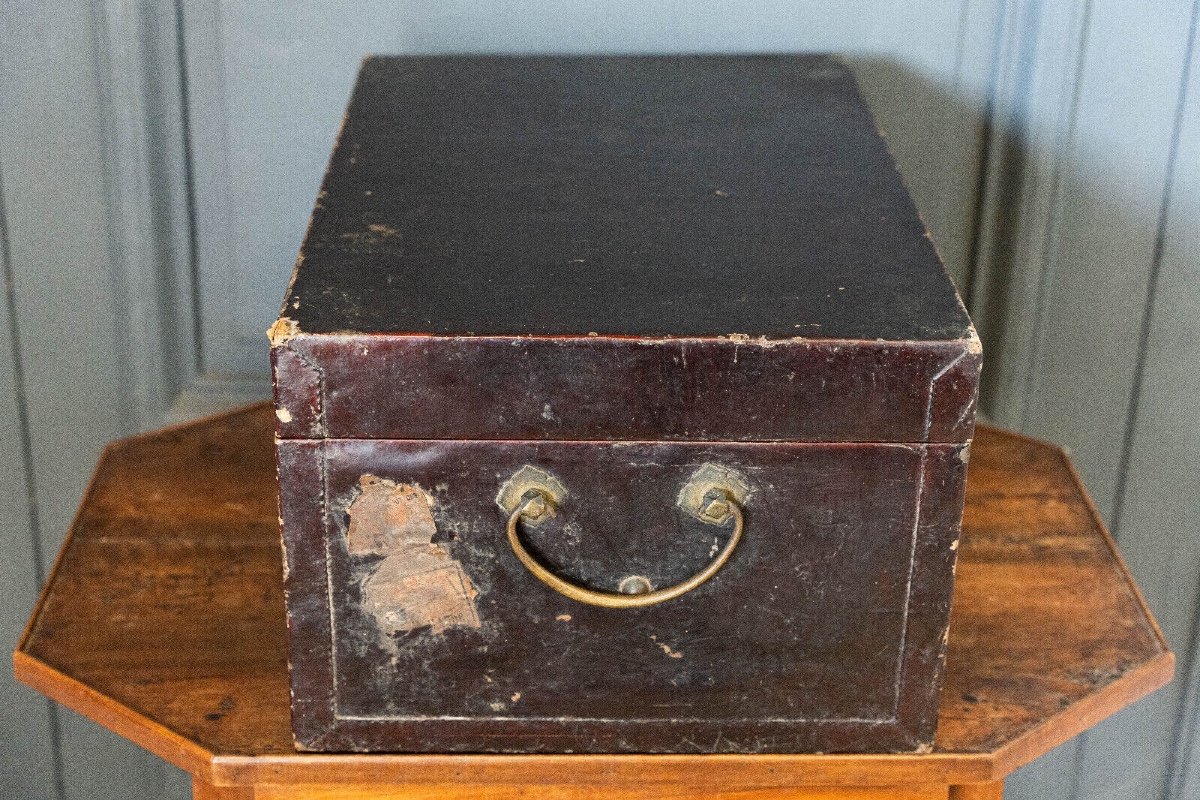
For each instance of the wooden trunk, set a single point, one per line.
(565, 333)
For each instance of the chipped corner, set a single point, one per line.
(283, 331)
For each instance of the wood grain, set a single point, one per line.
(978, 791)
(203, 790)
(519, 791)
(164, 620)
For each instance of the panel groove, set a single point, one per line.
(1183, 765)
(1030, 103)
(109, 111)
(1152, 284)
(1116, 382)
(1049, 258)
(1032, 100)
(189, 176)
(960, 39)
(986, 151)
(26, 450)
(18, 369)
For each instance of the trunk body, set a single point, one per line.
(590, 303)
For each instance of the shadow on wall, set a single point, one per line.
(1078, 250)
(937, 132)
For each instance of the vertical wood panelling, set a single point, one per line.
(27, 735)
(929, 96)
(215, 227)
(1032, 106)
(1051, 777)
(1068, 261)
(1164, 472)
(1110, 197)
(57, 195)
(147, 207)
(1158, 517)
(1101, 282)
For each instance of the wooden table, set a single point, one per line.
(163, 621)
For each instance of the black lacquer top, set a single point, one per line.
(647, 196)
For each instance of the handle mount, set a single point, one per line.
(714, 495)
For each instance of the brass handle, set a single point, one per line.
(537, 501)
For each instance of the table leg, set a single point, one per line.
(978, 791)
(203, 790)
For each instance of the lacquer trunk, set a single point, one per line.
(624, 406)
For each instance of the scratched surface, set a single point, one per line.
(682, 248)
(401, 387)
(824, 631)
(677, 196)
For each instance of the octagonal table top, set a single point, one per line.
(164, 621)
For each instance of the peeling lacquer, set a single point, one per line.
(418, 584)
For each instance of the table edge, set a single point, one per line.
(808, 769)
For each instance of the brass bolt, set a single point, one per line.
(635, 584)
(535, 506)
(717, 510)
